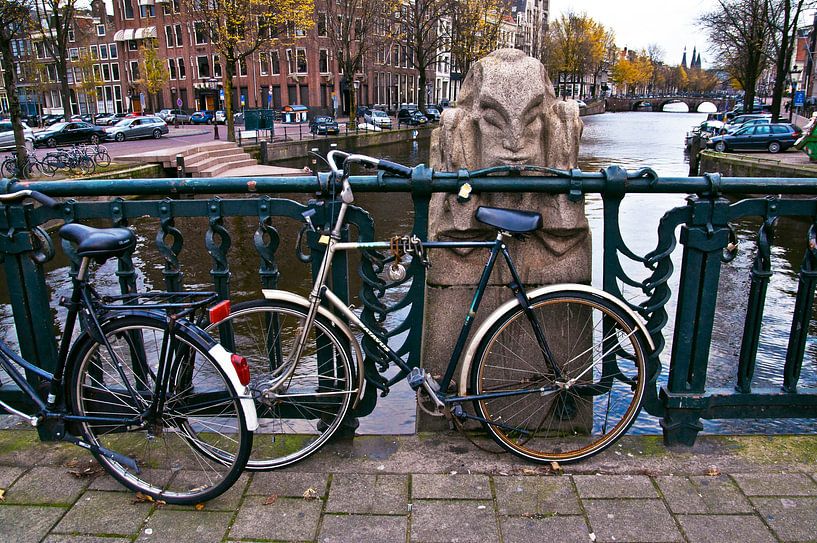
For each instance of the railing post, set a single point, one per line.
(704, 239)
(263, 152)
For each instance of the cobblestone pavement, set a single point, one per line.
(436, 488)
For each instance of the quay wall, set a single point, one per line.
(739, 165)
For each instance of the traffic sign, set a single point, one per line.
(179, 102)
(221, 94)
(799, 98)
(243, 100)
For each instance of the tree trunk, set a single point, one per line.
(14, 105)
(350, 86)
(421, 99)
(65, 91)
(228, 97)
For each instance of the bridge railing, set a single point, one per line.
(703, 226)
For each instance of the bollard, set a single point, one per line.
(264, 152)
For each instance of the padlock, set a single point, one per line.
(397, 272)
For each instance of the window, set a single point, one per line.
(201, 33)
(171, 65)
(147, 11)
(94, 52)
(322, 25)
(263, 63)
(106, 72)
(100, 30)
(203, 64)
(169, 38)
(216, 67)
(179, 36)
(73, 54)
(275, 63)
(290, 62)
(71, 36)
(112, 49)
(114, 71)
(103, 52)
(300, 57)
(242, 67)
(182, 74)
(132, 45)
(40, 49)
(127, 8)
(134, 70)
(323, 61)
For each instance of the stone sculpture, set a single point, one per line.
(506, 114)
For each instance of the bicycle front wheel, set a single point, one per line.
(202, 412)
(571, 399)
(301, 414)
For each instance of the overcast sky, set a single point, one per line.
(638, 23)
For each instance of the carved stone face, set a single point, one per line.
(507, 114)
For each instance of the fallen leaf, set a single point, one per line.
(2, 495)
(713, 471)
(143, 498)
(311, 494)
(199, 507)
(555, 466)
(271, 499)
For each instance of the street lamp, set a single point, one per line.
(791, 78)
(212, 83)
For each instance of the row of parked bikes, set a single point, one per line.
(76, 160)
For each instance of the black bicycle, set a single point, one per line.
(162, 406)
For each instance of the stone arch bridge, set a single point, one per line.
(658, 103)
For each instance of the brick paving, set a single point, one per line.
(436, 489)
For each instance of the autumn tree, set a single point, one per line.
(356, 28)
(56, 23)
(739, 36)
(578, 45)
(475, 26)
(632, 71)
(154, 72)
(16, 24)
(784, 17)
(238, 28)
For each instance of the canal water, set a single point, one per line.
(633, 140)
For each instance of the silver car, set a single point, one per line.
(137, 127)
(7, 134)
(377, 118)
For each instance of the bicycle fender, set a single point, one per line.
(222, 356)
(289, 297)
(471, 350)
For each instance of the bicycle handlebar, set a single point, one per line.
(348, 159)
(44, 199)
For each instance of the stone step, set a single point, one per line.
(207, 157)
(216, 169)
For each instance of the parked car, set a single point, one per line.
(581, 103)
(170, 116)
(85, 118)
(378, 118)
(221, 117)
(771, 137)
(202, 117)
(67, 133)
(110, 119)
(432, 113)
(143, 127)
(411, 116)
(729, 129)
(7, 134)
(324, 124)
(52, 119)
(740, 119)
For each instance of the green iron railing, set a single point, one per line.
(705, 233)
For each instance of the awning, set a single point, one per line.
(135, 33)
(295, 107)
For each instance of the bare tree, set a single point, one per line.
(56, 22)
(425, 36)
(656, 55)
(783, 20)
(355, 28)
(740, 35)
(16, 23)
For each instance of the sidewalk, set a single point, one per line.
(436, 488)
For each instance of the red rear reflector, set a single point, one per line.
(241, 368)
(219, 312)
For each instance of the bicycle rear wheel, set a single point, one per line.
(202, 412)
(575, 406)
(306, 410)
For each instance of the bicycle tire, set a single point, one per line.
(292, 426)
(85, 165)
(102, 158)
(168, 449)
(9, 168)
(592, 341)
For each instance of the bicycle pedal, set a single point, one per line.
(416, 378)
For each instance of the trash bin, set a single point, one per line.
(295, 113)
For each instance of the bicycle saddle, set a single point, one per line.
(509, 220)
(100, 243)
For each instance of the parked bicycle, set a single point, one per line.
(554, 374)
(162, 406)
(33, 167)
(74, 160)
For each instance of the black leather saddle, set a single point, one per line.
(509, 220)
(99, 243)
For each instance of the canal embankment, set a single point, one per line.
(790, 164)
